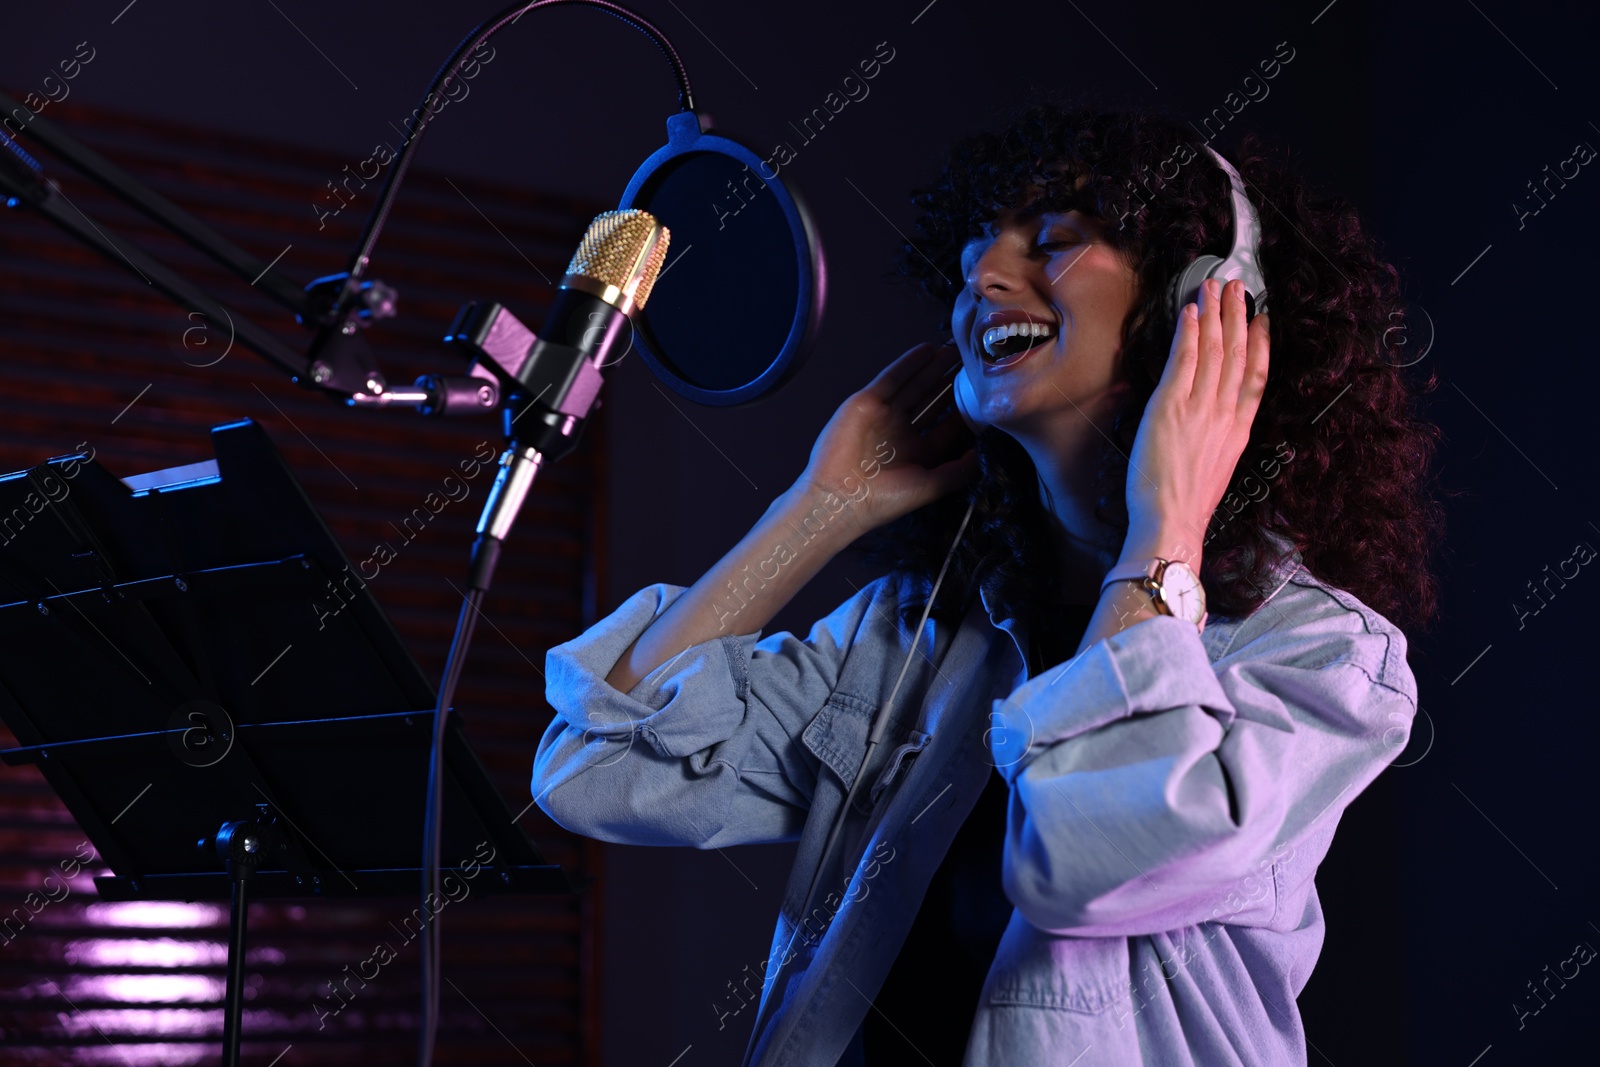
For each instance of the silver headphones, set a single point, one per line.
(1243, 261)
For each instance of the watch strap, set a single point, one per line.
(1135, 570)
(1145, 571)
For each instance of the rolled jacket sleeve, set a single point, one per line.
(705, 750)
(1148, 780)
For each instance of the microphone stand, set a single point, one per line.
(341, 363)
(518, 468)
(555, 382)
(23, 183)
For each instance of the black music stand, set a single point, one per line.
(207, 684)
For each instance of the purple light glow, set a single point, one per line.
(163, 952)
(124, 1022)
(147, 988)
(154, 1055)
(156, 914)
(156, 952)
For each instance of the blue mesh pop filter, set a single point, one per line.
(741, 294)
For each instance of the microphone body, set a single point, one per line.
(551, 382)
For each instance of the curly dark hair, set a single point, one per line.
(1338, 445)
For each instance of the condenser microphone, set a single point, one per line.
(551, 382)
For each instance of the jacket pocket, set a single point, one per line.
(1039, 970)
(838, 734)
(838, 737)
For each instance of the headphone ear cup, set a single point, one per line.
(967, 401)
(1186, 286)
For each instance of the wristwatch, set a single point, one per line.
(1174, 587)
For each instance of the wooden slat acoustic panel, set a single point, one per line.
(91, 356)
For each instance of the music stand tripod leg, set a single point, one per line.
(241, 846)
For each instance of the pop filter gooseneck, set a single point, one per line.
(447, 74)
(735, 310)
(340, 359)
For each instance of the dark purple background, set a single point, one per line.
(1442, 890)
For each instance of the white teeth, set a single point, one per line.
(995, 334)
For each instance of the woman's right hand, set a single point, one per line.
(896, 445)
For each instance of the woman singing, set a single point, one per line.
(1060, 778)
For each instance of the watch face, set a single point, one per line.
(1182, 592)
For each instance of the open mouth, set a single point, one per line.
(1003, 345)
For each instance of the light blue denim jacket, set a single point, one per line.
(1171, 796)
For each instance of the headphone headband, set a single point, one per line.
(1242, 260)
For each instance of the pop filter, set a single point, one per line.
(741, 295)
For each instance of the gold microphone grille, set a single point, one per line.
(625, 250)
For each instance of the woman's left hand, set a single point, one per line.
(1196, 425)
